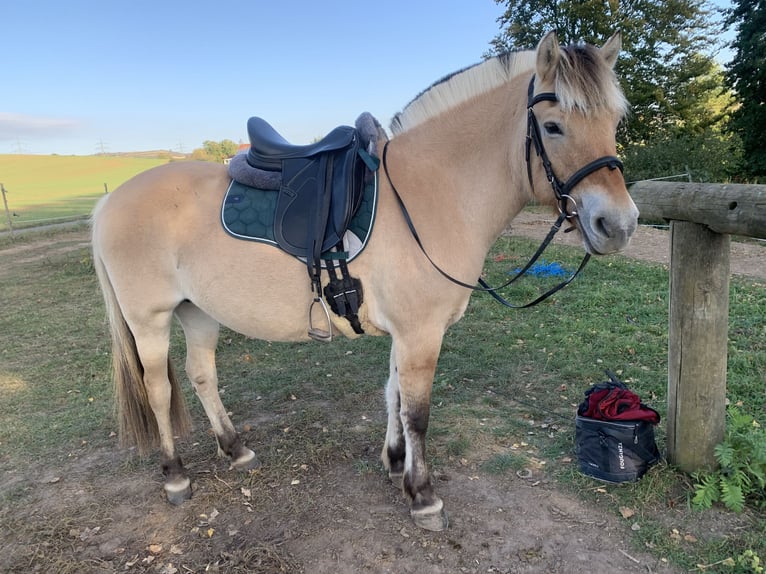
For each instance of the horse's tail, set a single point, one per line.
(137, 424)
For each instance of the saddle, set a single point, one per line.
(321, 185)
(321, 188)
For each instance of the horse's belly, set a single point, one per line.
(251, 288)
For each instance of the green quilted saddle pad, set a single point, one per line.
(248, 213)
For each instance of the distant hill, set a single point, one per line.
(157, 154)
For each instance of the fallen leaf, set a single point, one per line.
(210, 532)
(176, 549)
(294, 482)
(627, 512)
(690, 538)
(245, 492)
(155, 548)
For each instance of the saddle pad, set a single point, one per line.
(248, 213)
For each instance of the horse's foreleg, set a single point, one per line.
(201, 333)
(415, 366)
(394, 451)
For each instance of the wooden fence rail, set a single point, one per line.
(702, 218)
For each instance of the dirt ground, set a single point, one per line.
(647, 244)
(103, 511)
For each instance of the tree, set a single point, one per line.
(675, 88)
(746, 75)
(215, 151)
(663, 45)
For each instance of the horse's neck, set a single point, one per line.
(462, 174)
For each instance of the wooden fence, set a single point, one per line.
(702, 219)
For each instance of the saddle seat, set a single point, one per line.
(268, 148)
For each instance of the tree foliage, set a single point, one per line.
(215, 151)
(746, 75)
(675, 87)
(662, 63)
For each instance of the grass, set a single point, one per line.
(45, 187)
(505, 390)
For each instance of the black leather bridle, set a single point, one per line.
(560, 190)
(534, 137)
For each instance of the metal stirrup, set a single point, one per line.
(314, 332)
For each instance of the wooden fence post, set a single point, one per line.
(7, 211)
(698, 344)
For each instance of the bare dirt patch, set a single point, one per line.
(747, 258)
(101, 510)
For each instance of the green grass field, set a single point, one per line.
(504, 379)
(45, 187)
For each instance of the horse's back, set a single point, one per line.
(166, 187)
(160, 237)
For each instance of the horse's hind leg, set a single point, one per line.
(152, 342)
(201, 333)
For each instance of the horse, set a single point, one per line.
(465, 156)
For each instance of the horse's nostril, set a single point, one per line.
(601, 227)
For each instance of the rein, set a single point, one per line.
(560, 190)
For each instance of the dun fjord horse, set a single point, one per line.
(466, 155)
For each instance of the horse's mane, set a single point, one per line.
(584, 82)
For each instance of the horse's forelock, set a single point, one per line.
(585, 82)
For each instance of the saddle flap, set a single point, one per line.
(317, 199)
(268, 148)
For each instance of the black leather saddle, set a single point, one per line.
(322, 186)
(321, 190)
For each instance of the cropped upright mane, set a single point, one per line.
(460, 86)
(584, 82)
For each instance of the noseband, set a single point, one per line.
(560, 190)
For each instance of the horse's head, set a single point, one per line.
(575, 104)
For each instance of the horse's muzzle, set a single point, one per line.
(606, 226)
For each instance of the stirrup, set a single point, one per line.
(316, 333)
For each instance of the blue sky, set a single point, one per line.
(78, 76)
(84, 76)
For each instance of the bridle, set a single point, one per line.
(560, 190)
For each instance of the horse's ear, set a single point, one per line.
(548, 54)
(611, 49)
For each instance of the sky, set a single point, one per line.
(91, 76)
(83, 77)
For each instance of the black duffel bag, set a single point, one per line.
(614, 433)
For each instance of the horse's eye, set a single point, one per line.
(553, 129)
